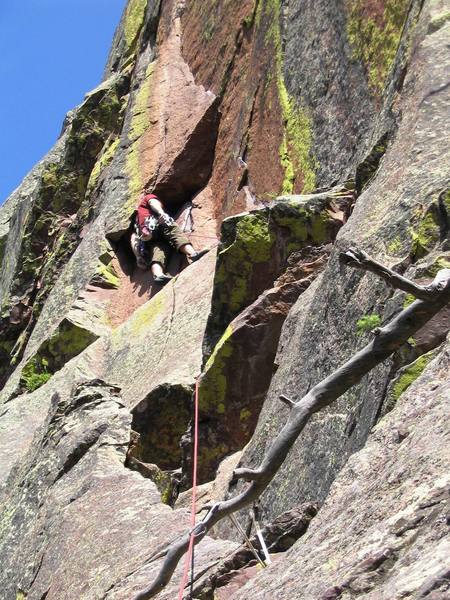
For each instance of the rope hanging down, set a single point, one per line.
(190, 553)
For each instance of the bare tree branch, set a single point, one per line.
(289, 403)
(388, 339)
(360, 260)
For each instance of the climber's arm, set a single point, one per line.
(156, 206)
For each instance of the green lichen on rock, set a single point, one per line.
(108, 275)
(367, 323)
(161, 425)
(425, 236)
(134, 20)
(442, 262)
(60, 202)
(295, 151)
(409, 299)
(138, 126)
(368, 167)
(244, 415)
(101, 164)
(145, 315)
(410, 373)
(445, 198)
(302, 222)
(251, 245)
(254, 250)
(164, 483)
(67, 341)
(395, 247)
(35, 374)
(438, 21)
(2, 247)
(6, 348)
(374, 31)
(213, 386)
(105, 272)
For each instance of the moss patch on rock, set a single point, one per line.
(35, 374)
(212, 389)
(410, 373)
(374, 30)
(68, 341)
(425, 235)
(138, 126)
(296, 156)
(367, 323)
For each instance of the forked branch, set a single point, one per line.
(389, 339)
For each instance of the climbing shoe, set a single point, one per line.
(197, 255)
(162, 279)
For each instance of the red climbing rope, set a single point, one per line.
(194, 497)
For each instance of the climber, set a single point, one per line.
(155, 233)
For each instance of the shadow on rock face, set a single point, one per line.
(161, 419)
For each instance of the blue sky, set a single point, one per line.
(51, 53)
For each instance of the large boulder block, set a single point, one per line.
(254, 249)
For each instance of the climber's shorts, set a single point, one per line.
(158, 252)
(173, 235)
(165, 238)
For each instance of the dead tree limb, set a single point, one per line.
(389, 339)
(360, 260)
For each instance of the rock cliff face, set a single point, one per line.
(278, 133)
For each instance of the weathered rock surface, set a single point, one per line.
(145, 139)
(213, 491)
(67, 509)
(236, 569)
(138, 357)
(254, 249)
(382, 533)
(228, 107)
(237, 375)
(48, 224)
(349, 64)
(321, 331)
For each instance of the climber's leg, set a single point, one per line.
(180, 242)
(160, 254)
(136, 248)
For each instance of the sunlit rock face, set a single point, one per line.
(277, 133)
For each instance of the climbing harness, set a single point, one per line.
(165, 220)
(151, 223)
(193, 533)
